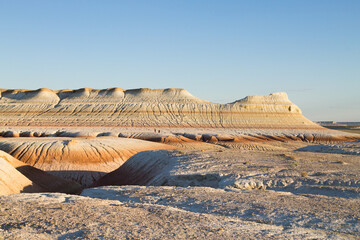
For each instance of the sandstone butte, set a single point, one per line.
(116, 107)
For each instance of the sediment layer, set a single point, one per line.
(18, 177)
(82, 160)
(171, 107)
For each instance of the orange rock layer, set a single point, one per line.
(82, 160)
(17, 177)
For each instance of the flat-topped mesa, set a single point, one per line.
(172, 107)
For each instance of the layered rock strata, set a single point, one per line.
(12, 181)
(145, 108)
(17, 177)
(80, 159)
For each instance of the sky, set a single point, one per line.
(219, 51)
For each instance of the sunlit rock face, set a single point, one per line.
(83, 160)
(12, 181)
(18, 177)
(171, 107)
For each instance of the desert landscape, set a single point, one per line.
(164, 164)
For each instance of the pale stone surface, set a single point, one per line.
(271, 207)
(350, 148)
(225, 193)
(168, 213)
(280, 170)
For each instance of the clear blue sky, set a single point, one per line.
(218, 50)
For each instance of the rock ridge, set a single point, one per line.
(144, 107)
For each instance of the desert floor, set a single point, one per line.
(219, 190)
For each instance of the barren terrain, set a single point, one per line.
(163, 164)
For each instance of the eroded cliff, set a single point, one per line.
(171, 107)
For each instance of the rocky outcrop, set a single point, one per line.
(17, 177)
(145, 108)
(278, 169)
(12, 181)
(80, 159)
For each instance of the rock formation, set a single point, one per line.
(142, 169)
(12, 181)
(281, 169)
(145, 108)
(16, 177)
(79, 159)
